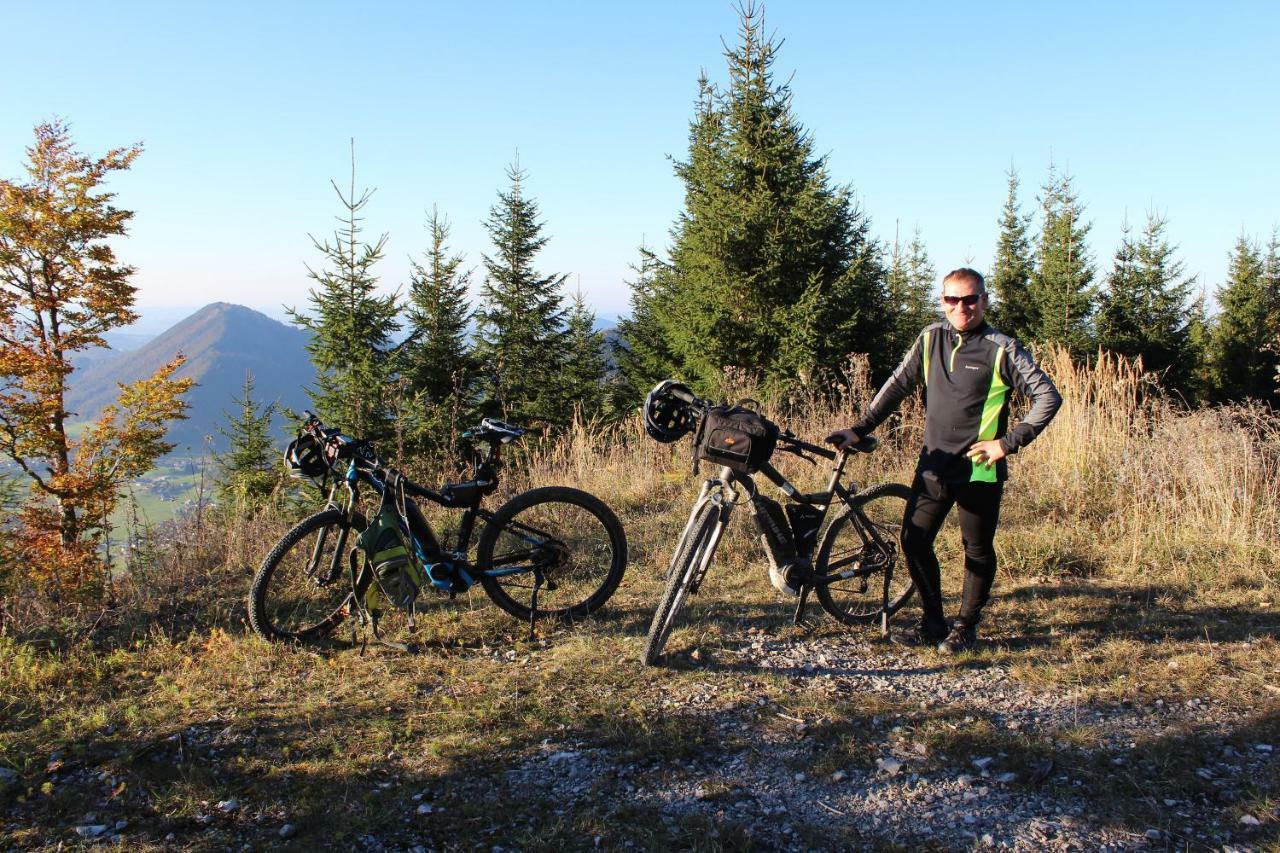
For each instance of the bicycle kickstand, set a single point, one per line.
(804, 599)
(406, 648)
(533, 601)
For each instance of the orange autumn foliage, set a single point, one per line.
(61, 288)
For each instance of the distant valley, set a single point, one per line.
(222, 342)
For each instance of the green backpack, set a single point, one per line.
(398, 575)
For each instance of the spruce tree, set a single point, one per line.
(436, 364)
(351, 326)
(1144, 310)
(909, 290)
(247, 471)
(1061, 290)
(582, 378)
(1013, 311)
(1199, 347)
(640, 350)
(1243, 366)
(1271, 280)
(521, 343)
(1120, 306)
(771, 268)
(921, 304)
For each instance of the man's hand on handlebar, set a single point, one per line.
(843, 439)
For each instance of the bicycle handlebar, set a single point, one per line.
(867, 444)
(786, 438)
(792, 443)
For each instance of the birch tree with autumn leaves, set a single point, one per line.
(61, 289)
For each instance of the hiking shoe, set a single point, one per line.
(961, 639)
(918, 637)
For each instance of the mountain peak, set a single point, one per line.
(221, 341)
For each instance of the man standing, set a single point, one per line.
(967, 369)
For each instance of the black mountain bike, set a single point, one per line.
(855, 566)
(551, 552)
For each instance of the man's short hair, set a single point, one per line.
(970, 275)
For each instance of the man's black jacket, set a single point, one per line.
(967, 378)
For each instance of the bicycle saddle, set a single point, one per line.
(494, 431)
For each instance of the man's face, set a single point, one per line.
(963, 303)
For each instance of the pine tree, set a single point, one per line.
(247, 472)
(1013, 311)
(1242, 365)
(582, 377)
(521, 342)
(1144, 310)
(909, 290)
(436, 364)
(351, 326)
(771, 268)
(1061, 290)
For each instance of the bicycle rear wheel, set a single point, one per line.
(302, 590)
(571, 536)
(690, 553)
(865, 540)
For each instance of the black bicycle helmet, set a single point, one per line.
(666, 417)
(305, 459)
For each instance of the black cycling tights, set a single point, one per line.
(979, 511)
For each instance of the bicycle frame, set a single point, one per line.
(715, 489)
(460, 575)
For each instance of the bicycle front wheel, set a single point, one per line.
(568, 535)
(865, 542)
(691, 551)
(302, 590)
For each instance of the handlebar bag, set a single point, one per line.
(736, 437)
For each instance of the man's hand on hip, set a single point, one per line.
(843, 439)
(986, 453)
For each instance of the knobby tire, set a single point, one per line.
(573, 532)
(884, 505)
(689, 553)
(286, 601)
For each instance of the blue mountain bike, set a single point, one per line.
(548, 553)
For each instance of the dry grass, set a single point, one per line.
(1140, 558)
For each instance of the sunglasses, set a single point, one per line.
(970, 299)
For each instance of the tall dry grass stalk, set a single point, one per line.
(1157, 486)
(1124, 478)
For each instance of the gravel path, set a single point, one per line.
(911, 797)
(872, 747)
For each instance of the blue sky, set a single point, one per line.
(246, 111)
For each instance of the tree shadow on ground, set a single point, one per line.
(226, 783)
(593, 784)
(1134, 611)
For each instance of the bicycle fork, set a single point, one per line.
(723, 509)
